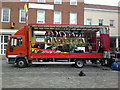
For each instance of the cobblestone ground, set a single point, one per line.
(58, 76)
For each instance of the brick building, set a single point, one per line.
(40, 11)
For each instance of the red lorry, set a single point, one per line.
(59, 44)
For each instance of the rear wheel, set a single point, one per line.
(21, 63)
(79, 63)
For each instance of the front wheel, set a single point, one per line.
(21, 63)
(79, 63)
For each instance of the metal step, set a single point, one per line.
(61, 60)
(53, 62)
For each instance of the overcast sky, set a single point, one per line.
(103, 2)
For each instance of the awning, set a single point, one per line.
(48, 27)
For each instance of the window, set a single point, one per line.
(42, 1)
(89, 21)
(3, 43)
(57, 17)
(5, 15)
(22, 16)
(73, 18)
(57, 1)
(24, 0)
(100, 22)
(73, 2)
(41, 16)
(16, 42)
(111, 23)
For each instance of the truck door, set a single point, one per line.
(17, 46)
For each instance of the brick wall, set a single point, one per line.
(65, 9)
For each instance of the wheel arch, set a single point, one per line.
(82, 62)
(21, 56)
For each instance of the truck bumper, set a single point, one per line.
(10, 60)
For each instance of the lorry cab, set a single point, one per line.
(17, 46)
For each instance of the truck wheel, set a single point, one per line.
(79, 63)
(21, 63)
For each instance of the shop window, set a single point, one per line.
(3, 43)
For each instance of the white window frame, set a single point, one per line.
(113, 22)
(43, 17)
(44, 1)
(99, 21)
(24, 0)
(20, 16)
(71, 18)
(57, 17)
(2, 15)
(89, 21)
(3, 43)
(73, 1)
(57, 1)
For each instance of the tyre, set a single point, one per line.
(79, 63)
(21, 63)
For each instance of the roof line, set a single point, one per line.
(71, 25)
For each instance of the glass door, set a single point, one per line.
(3, 43)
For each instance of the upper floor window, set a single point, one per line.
(24, 0)
(73, 18)
(42, 1)
(41, 16)
(111, 23)
(73, 2)
(89, 21)
(57, 1)
(22, 16)
(57, 17)
(5, 15)
(100, 22)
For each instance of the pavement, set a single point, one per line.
(58, 76)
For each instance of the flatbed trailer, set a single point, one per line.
(59, 44)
